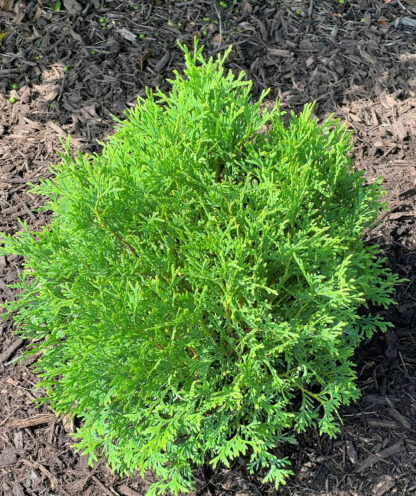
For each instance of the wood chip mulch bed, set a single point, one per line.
(68, 68)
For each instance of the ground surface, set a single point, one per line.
(70, 69)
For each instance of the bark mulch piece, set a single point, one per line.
(69, 68)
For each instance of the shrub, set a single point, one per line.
(202, 285)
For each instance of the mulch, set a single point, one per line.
(67, 67)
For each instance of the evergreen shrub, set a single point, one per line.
(202, 285)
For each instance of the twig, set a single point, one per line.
(10, 350)
(28, 211)
(127, 491)
(373, 459)
(310, 8)
(8, 416)
(52, 479)
(18, 180)
(44, 418)
(405, 8)
(102, 487)
(219, 22)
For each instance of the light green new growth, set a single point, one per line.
(199, 291)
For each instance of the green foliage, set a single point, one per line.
(199, 292)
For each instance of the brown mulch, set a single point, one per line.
(71, 68)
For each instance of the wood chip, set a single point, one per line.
(144, 57)
(162, 62)
(409, 22)
(8, 352)
(126, 34)
(102, 487)
(19, 14)
(368, 58)
(18, 439)
(68, 423)
(57, 129)
(18, 489)
(399, 130)
(277, 52)
(381, 455)
(37, 14)
(76, 36)
(52, 479)
(384, 424)
(78, 485)
(127, 491)
(400, 418)
(19, 180)
(379, 400)
(7, 457)
(44, 418)
(8, 294)
(351, 452)
(247, 7)
(217, 41)
(385, 484)
(73, 7)
(398, 215)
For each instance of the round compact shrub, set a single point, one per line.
(202, 285)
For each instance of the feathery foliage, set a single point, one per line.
(199, 291)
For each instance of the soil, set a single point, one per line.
(67, 67)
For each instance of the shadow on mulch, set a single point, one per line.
(70, 70)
